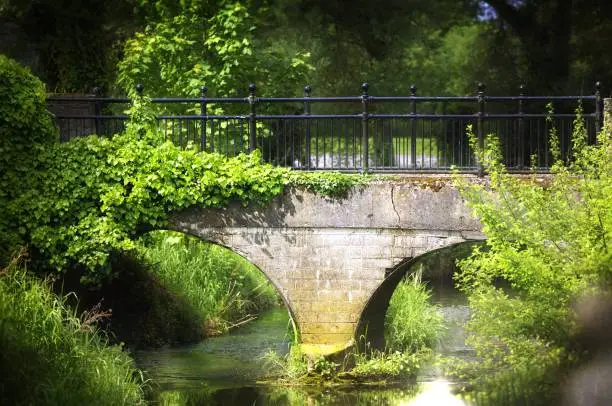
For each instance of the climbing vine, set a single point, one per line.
(77, 203)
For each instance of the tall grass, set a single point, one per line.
(412, 323)
(49, 356)
(222, 286)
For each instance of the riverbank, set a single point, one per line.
(173, 290)
(50, 356)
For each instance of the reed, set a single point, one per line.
(223, 287)
(412, 323)
(50, 356)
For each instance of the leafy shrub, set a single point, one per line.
(389, 365)
(550, 241)
(51, 357)
(26, 128)
(24, 119)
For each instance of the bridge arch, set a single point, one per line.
(327, 257)
(371, 326)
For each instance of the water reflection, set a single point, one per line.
(233, 359)
(437, 393)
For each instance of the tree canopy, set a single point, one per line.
(442, 47)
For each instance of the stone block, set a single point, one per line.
(326, 338)
(337, 317)
(377, 252)
(345, 306)
(328, 328)
(338, 284)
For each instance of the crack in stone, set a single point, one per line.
(394, 209)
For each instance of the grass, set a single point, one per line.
(225, 289)
(383, 365)
(49, 356)
(412, 323)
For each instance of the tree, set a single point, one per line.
(177, 55)
(555, 34)
(76, 40)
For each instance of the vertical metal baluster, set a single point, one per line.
(346, 128)
(423, 126)
(481, 113)
(413, 138)
(203, 114)
(292, 149)
(317, 132)
(325, 137)
(252, 100)
(307, 91)
(443, 128)
(241, 123)
(431, 126)
(521, 129)
(97, 111)
(364, 129)
(227, 135)
(212, 136)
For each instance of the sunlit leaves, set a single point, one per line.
(548, 243)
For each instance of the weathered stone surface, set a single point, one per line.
(327, 256)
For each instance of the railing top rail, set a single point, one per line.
(343, 99)
(333, 116)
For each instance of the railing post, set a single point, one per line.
(481, 113)
(521, 129)
(598, 109)
(252, 118)
(365, 156)
(607, 114)
(307, 91)
(413, 135)
(97, 110)
(139, 89)
(203, 113)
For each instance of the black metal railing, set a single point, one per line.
(355, 133)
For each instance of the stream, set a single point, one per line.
(225, 370)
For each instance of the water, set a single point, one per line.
(226, 370)
(235, 359)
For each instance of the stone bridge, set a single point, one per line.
(336, 261)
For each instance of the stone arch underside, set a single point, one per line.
(327, 257)
(371, 324)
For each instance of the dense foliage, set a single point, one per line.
(549, 240)
(76, 203)
(52, 357)
(180, 52)
(446, 46)
(26, 130)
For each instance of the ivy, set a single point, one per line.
(330, 184)
(76, 203)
